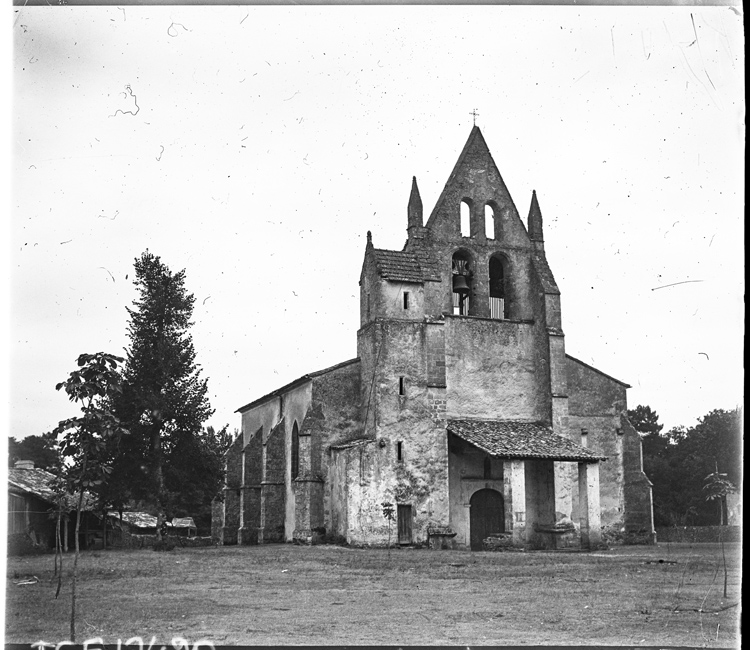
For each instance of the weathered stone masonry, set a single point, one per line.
(461, 409)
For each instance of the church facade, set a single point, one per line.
(462, 412)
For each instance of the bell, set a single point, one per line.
(460, 285)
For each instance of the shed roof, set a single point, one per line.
(183, 522)
(41, 483)
(35, 481)
(521, 440)
(145, 520)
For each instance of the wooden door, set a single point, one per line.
(487, 516)
(404, 524)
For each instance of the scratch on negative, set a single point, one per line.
(674, 284)
(158, 158)
(135, 101)
(169, 29)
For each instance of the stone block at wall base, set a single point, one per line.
(440, 538)
(556, 537)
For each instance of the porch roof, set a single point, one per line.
(520, 440)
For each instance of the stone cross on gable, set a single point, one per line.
(474, 114)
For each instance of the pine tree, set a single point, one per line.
(164, 398)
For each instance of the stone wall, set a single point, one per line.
(699, 534)
(496, 369)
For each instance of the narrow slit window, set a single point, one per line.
(465, 219)
(295, 451)
(487, 467)
(406, 300)
(489, 222)
(399, 451)
(401, 386)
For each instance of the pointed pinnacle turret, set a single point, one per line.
(369, 239)
(535, 220)
(414, 210)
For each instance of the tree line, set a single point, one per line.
(692, 468)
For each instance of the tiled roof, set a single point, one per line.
(430, 266)
(137, 519)
(33, 481)
(183, 522)
(397, 265)
(145, 520)
(40, 483)
(508, 439)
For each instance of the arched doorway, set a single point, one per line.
(487, 516)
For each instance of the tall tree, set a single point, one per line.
(164, 398)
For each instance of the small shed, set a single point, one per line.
(31, 506)
(184, 526)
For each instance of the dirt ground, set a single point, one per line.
(669, 595)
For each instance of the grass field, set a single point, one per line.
(284, 594)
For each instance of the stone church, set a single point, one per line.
(461, 410)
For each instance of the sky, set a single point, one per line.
(254, 147)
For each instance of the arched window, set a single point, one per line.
(489, 222)
(461, 279)
(498, 302)
(465, 218)
(295, 451)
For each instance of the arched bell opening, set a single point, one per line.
(461, 281)
(498, 293)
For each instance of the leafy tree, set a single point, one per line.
(677, 461)
(163, 401)
(84, 440)
(39, 449)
